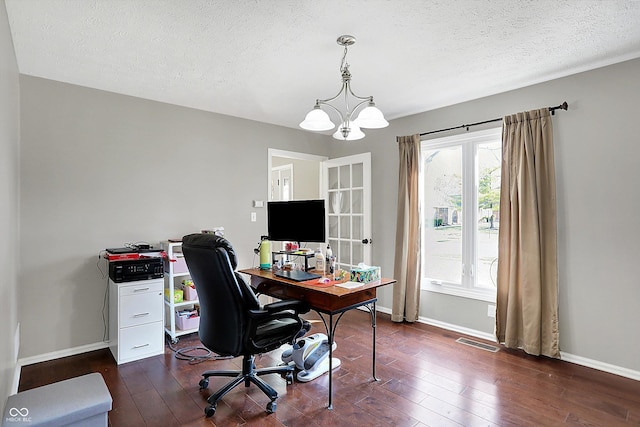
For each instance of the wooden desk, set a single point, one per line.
(329, 301)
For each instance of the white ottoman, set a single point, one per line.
(80, 401)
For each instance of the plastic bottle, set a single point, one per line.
(332, 268)
(265, 253)
(328, 256)
(320, 264)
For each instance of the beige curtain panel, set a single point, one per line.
(527, 298)
(406, 291)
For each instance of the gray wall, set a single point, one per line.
(9, 202)
(596, 151)
(100, 170)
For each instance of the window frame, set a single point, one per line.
(469, 143)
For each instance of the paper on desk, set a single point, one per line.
(350, 285)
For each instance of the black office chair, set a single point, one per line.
(232, 322)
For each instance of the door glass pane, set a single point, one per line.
(333, 227)
(333, 178)
(334, 246)
(345, 227)
(356, 201)
(357, 253)
(345, 177)
(442, 185)
(357, 174)
(335, 200)
(357, 227)
(345, 205)
(489, 163)
(344, 254)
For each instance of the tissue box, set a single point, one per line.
(177, 295)
(184, 322)
(365, 274)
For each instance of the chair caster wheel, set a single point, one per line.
(289, 378)
(204, 383)
(271, 407)
(209, 411)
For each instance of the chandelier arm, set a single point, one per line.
(342, 89)
(367, 98)
(323, 102)
(359, 104)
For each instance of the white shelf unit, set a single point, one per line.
(172, 280)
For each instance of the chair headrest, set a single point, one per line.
(211, 241)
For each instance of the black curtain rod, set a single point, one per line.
(562, 106)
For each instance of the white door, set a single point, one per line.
(347, 190)
(282, 183)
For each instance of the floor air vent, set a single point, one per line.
(477, 344)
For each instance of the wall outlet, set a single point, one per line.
(491, 310)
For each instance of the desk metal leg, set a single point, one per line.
(372, 313)
(373, 331)
(330, 331)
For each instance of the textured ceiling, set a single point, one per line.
(268, 60)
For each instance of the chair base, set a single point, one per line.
(248, 375)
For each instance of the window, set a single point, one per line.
(460, 196)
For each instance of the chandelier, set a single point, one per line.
(370, 117)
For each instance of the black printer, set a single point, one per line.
(136, 269)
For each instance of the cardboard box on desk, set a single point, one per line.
(365, 274)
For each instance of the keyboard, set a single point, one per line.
(296, 275)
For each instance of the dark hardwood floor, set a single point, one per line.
(426, 379)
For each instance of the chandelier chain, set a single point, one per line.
(344, 65)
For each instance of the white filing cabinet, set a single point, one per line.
(136, 324)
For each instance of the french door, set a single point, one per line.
(347, 190)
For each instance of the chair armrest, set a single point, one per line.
(280, 309)
(299, 307)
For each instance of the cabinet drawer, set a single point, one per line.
(141, 308)
(138, 341)
(141, 287)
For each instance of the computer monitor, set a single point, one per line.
(296, 221)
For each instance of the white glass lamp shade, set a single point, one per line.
(371, 118)
(354, 134)
(317, 120)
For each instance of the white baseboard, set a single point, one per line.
(457, 328)
(567, 357)
(62, 353)
(601, 366)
